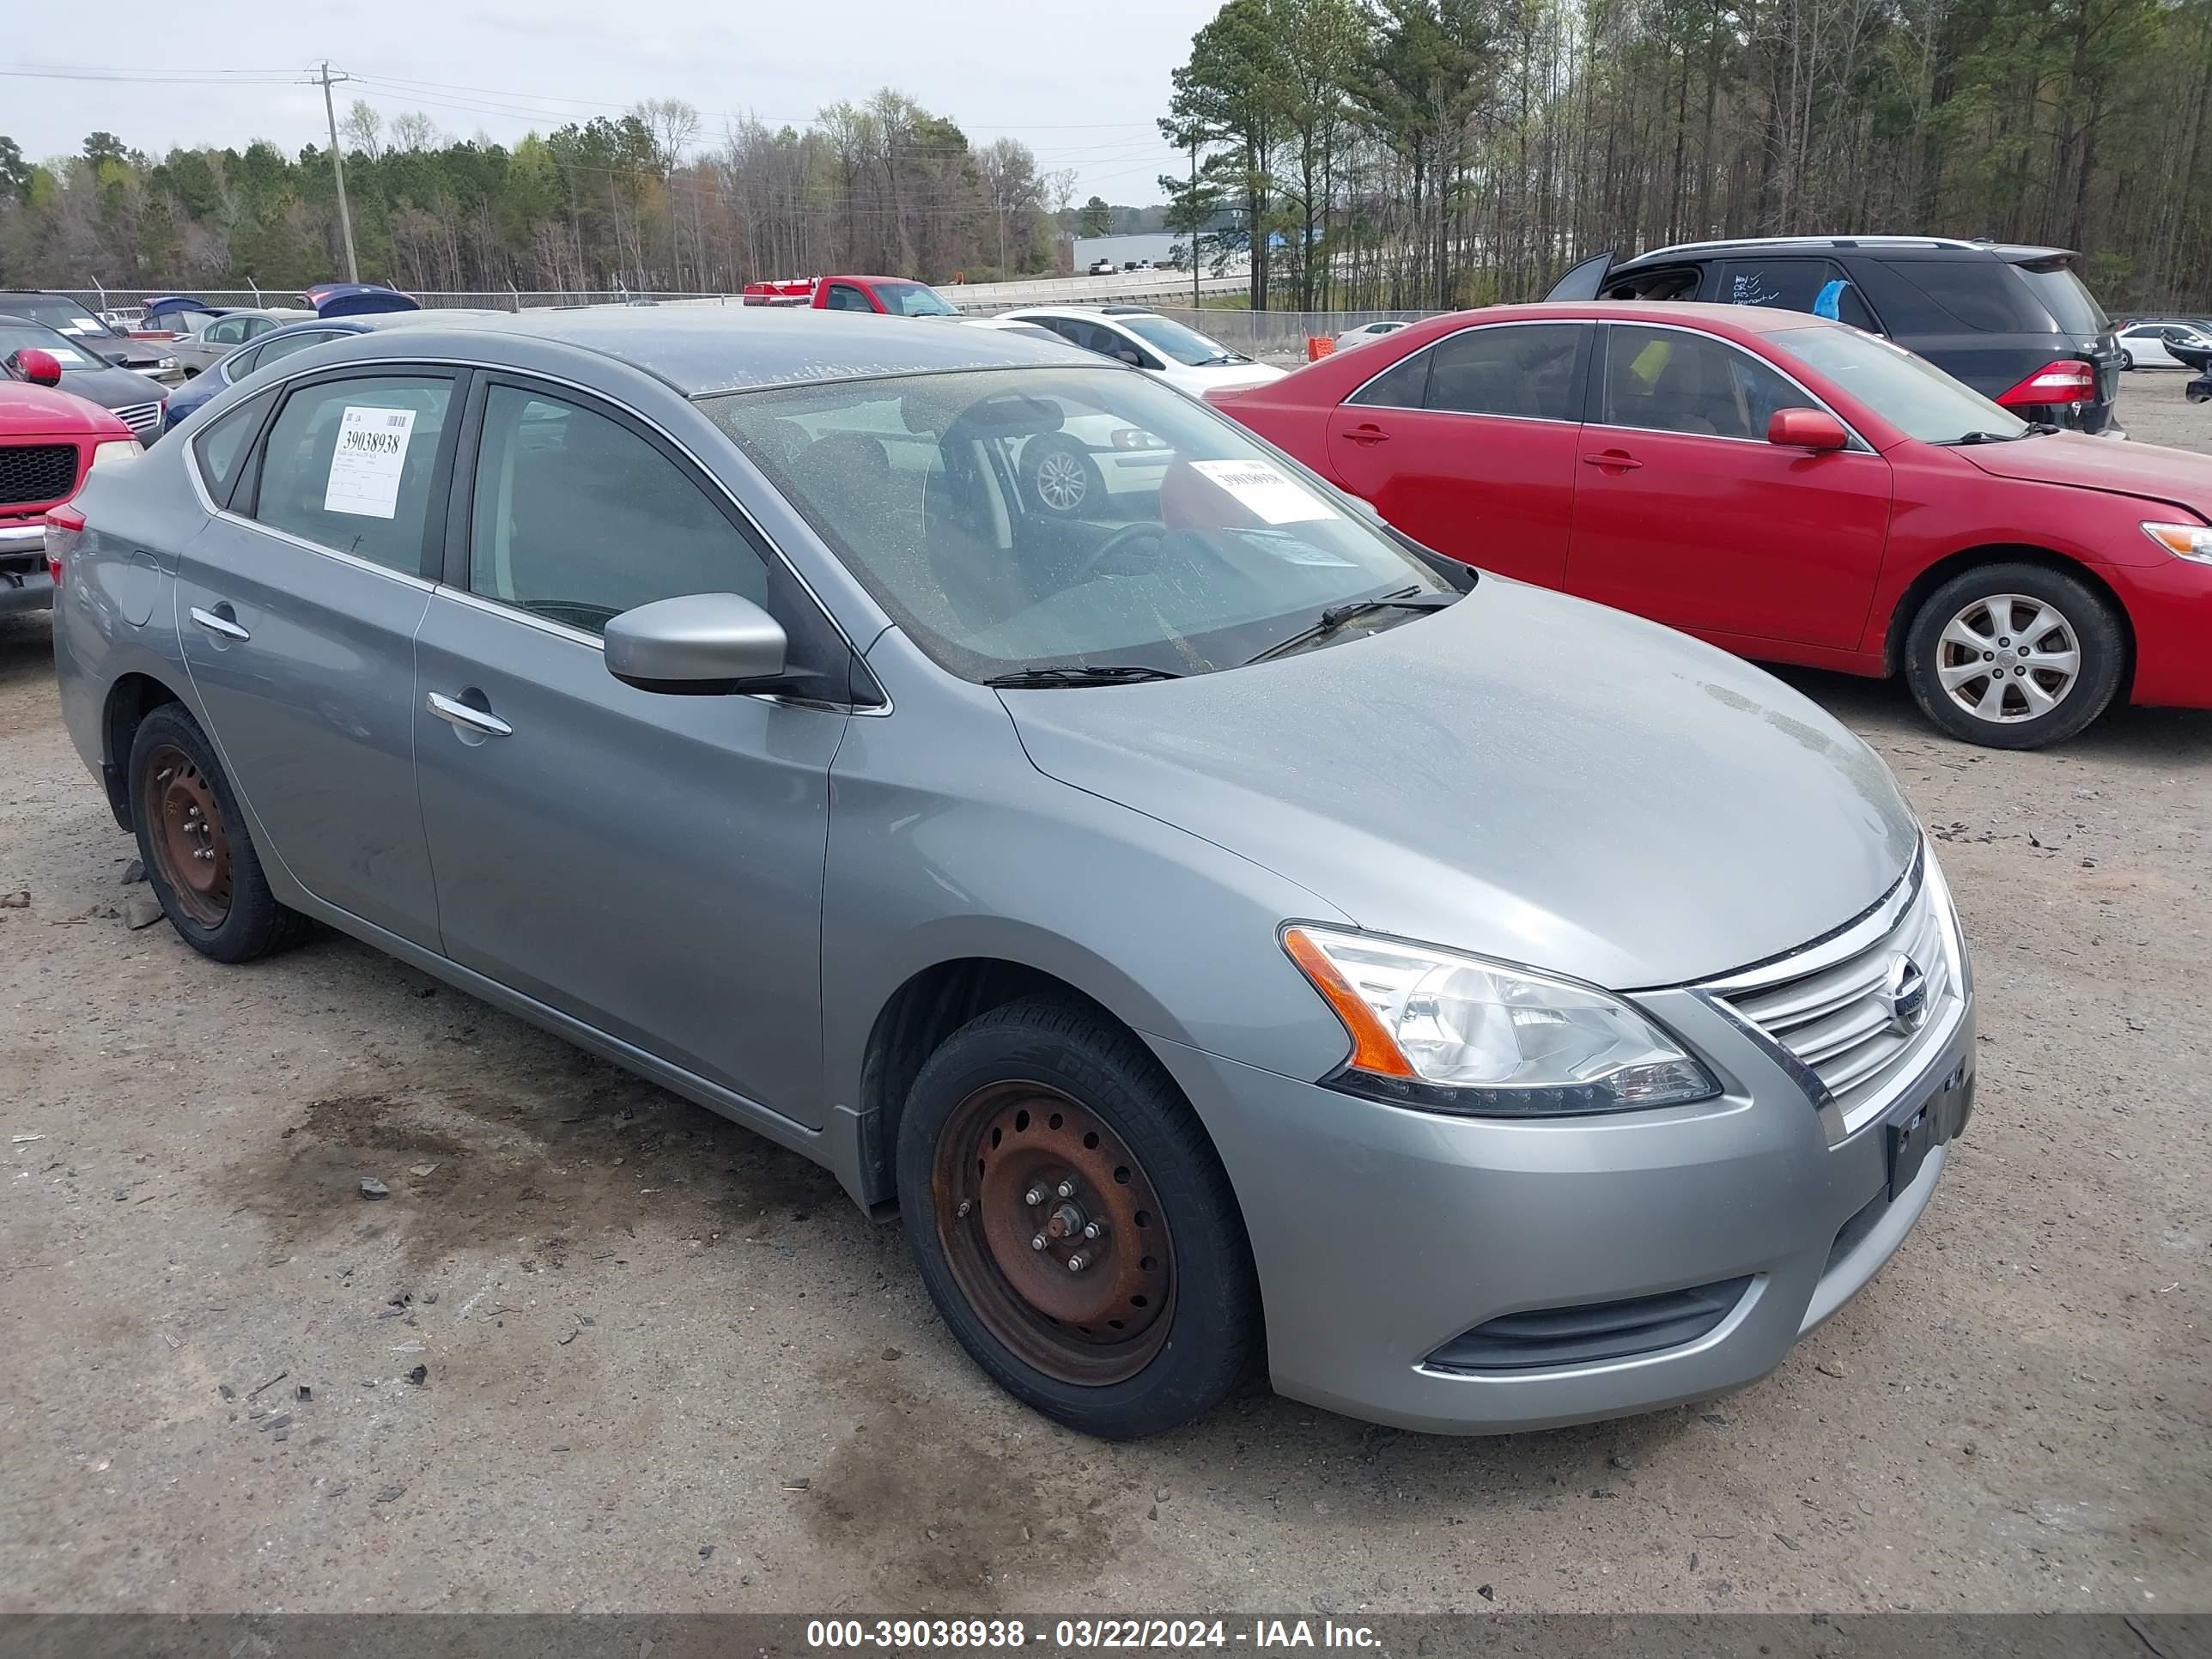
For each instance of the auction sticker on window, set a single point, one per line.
(365, 467)
(1264, 488)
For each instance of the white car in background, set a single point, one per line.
(2145, 345)
(1163, 348)
(1364, 332)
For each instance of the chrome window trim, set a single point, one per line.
(1469, 414)
(1857, 445)
(283, 383)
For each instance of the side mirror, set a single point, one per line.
(39, 367)
(1807, 429)
(699, 645)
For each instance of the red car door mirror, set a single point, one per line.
(1807, 429)
(39, 367)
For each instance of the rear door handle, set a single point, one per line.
(479, 721)
(222, 627)
(1618, 459)
(1369, 434)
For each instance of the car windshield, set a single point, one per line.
(1018, 520)
(55, 312)
(2070, 304)
(1185, 345)
(29, 337)
(914, 300)
(1910, 392)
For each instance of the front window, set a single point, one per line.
(67, 315)
(23, 337)
(913, 299)
(1185, 345)
(1020, 519)
(1910, 392)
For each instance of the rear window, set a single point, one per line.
(1980, 293)
(2065, 297)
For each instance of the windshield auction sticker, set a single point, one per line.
(365, 467)
(1263, 487)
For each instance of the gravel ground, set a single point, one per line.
(668, 1367)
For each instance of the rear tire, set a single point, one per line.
(193, 841)
(2127, 360)
(2015, 656)
(1160, 1321)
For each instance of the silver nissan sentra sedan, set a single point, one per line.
(1225, 933)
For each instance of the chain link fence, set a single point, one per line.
(508, 299)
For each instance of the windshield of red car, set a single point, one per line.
(913, 299)
(1910, 392)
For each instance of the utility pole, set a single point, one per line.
(338, 166)
(1193, 223)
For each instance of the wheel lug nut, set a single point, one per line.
(1037, 1240)
(1095, 1230)
(1034, 1197)
(966, 1205)
(1066, 1189)
(1078, 1262)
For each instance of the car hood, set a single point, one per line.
(1524, 776)
(114, 388)
(1223, 377)
(2122, 469)
(27, 410)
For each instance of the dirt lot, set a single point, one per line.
(668, 1367)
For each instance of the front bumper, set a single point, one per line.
(25, 584)
(1381, 1234)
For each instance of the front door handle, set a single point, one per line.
(1367, 433)
(482, 721)
(224, 628)
(1618, 460)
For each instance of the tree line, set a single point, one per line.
(636, 201)
(1418, 153)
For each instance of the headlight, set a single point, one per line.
(2187, 541)
(114, 450)
(166, 363)
(1455, 1033)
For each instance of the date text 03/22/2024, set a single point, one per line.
(1256, 1635)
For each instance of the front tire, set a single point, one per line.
(1122, 1301)
(2127, 360)
(2015, 656)
(193, 843)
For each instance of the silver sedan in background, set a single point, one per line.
(1227, 933)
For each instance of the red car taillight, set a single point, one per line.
(2068, 381)
(63, 525)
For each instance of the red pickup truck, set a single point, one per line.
(49, 440)
(892, 296)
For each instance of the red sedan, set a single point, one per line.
(1790, 488)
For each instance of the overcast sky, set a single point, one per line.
(1081, 84)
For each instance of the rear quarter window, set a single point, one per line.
(1982, 293)
(220, 452)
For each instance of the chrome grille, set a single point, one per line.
(1835, 1007)
(144, 419)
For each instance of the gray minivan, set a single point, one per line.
(1227, 934)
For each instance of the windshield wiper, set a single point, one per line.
(2034, 429)
(1406, 599)
(1089, 673)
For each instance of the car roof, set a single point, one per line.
(1714, 319)
(700, 350)
(1093, 313)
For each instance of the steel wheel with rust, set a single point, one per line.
(191, 846)
(1054, 1232)
(194, 844)
(1072, 1223)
